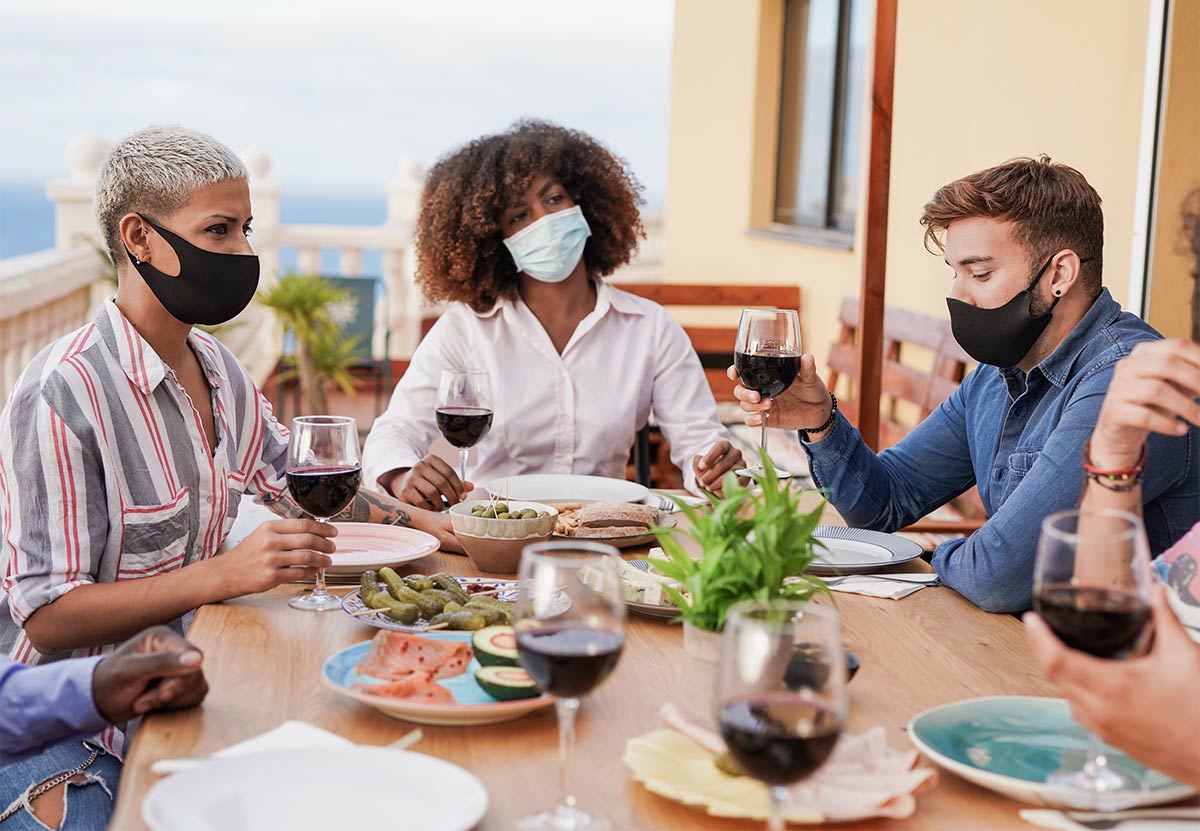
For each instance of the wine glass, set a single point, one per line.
(323, 475)
(570, 625)
(464, 412)
(767, 357)
(1091, 584)
(781, 699)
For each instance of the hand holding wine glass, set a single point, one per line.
(1092, 588)
(323, 475)
(570, 625)
(464, 412)
(781, 700)
(767, 356)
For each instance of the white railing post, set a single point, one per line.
(264, 197)
(399, 266)
(74, 217)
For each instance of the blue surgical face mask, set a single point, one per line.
(549, 249)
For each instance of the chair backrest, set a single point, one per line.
(714, 344)
(901, 382)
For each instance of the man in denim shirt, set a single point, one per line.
(1025, 242)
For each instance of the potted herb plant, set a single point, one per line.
(753, 540)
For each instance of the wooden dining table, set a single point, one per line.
(263, 661)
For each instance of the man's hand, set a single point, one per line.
(1159, 381)
(1164, 683)
(276, 552)
(427, 482)
(156, 669)
(712, 467)
(803, 405)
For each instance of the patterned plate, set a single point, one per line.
(857, 551)
(471, 704)
(353, 603)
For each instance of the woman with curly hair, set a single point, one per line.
(517, 230)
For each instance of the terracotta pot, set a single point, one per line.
(701, 644)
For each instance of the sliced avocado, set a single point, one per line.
(506, 683)
(495, 646)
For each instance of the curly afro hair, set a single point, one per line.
(460, 246)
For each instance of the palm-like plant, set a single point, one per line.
(301, 302)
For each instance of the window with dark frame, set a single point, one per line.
(820, 114)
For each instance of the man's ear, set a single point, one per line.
(135, 236)
(1064, 272)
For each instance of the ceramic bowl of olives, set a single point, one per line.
(493, 532)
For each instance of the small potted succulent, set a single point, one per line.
(753, 539)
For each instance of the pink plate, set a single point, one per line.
(365, 545)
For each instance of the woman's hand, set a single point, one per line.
(1142, 705)
(276, 552)
(803, 405)
(428, 482)
(156, 669)
(1151, 390)
(711, 468)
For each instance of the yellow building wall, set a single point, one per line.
(977, 82)
(1172, 261)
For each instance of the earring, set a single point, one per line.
(1058, 292)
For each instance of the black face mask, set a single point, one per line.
(211, 288)
(1004, 335)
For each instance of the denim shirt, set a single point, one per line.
(1020, 438)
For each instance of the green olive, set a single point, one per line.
(529, 513)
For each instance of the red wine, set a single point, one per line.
(569, 661)
(1101, 622)
(778, 739)
(464, 426)
(768, 373)
(324, 491)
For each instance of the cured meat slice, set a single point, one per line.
(395, 655)
(416, 686)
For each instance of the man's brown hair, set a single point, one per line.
(1051, 207)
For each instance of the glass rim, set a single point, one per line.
(774, 309)
(323, 419)
(1048, 523)
(742, 609)
(545, 551)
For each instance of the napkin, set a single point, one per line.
(863, 778)
(891, 589)
(291, 735)
(1146, 819)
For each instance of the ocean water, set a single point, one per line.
(27, 220)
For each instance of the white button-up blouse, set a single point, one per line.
(578, 412)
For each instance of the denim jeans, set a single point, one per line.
(89, 803)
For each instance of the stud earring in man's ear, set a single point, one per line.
(1058, 292)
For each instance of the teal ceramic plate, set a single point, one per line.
(1010, 744)
(471, 704)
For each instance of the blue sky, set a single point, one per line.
(337, 92)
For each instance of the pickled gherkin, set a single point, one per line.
(467, 619)
(447, 583)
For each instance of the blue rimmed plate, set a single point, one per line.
(1010, 744)
(471, 704)
(857, 551)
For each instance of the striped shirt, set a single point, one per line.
(106, 473)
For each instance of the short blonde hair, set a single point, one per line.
(154, 171)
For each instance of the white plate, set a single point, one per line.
(856, 551)
(556, 487)
(367, 545)
(317, 789)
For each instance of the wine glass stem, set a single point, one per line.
(566, 709)
(1097, 761)
(777, 795)
(463, 452)
(319, 589)
(766, 415)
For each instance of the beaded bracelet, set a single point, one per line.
(1123, 480)
(828, 422)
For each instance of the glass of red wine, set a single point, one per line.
(1091, 584)
(570, 625)
(767, 357)
(464, 411)
(781, 699)
(323, 475)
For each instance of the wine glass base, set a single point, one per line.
(1110, 788)
(316, 602)
(563, 819)
(757, 471)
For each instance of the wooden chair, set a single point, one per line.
(903, 382)
(714, 346)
